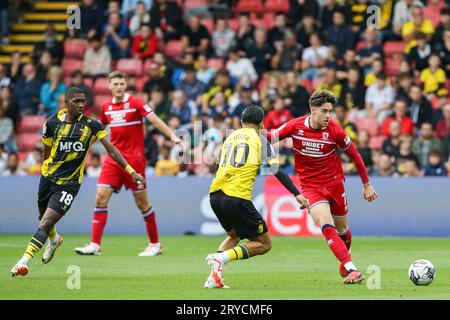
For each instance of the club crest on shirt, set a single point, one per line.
(300, 132)
(109, 107)
(325, 136)
(126, 106)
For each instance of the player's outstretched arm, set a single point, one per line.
(117, 156)
(369, 192)
(164, 128)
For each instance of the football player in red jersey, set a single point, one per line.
(316, 138)
(124, 115)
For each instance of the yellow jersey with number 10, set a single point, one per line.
(241, 156)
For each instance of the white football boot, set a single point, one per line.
(153, 249)
(50, 249)
(89, 249)
(20, 269)
(215, 279)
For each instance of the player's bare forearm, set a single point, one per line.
(163, 127)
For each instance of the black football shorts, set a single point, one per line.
(56, 197)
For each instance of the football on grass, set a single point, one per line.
(421, 272)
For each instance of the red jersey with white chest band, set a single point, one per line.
(125, 120)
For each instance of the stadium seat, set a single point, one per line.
(173, 48)
(233, 24)
(23, 155)
(209, 24)
(392, 67)
(376, 142)
(31, 124)
(254, 6)
(276, 6)
(308, 85)
(133, 67)
(99, 100)
(360, 45)
(101, 86)
(259, 23)
(215, 64)
(140, 82)
(71, 65)
(194, 3)
(369, 124)
(74, 48)
(391, 48)
(27, 141)
(269, 19)
(88, 81)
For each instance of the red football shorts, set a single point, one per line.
(113, 175)
(334, 195)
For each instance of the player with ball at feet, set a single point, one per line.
(316, 138)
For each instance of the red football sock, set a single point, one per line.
(150, 224)
(98, 224)
(347, 238)
(336, 244)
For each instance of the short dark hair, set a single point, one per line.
(253, 114)
(72, 91)
(319, 98)
(117, 74)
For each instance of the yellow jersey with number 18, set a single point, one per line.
(241, 156)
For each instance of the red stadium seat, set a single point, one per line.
(132, 67)
(360, 45)
(101, 86)
(71, 65)
(369, 124)
(23, 155)
(254, 6)
(269, 19)
(233, 24)
(308, 85)
(215, 64)
(31, 124)
(27, 141)
(392, 67)
(391, 48)
(276, 6)
(376, 142)
(88, 81)
(140, 82)
(147, 63)
(173, 48)
(99, 100)
(209, 24)
(195, 3)
(260, 23)
(74, 48)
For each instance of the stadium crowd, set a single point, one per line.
(205, 64)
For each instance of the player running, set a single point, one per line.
(124, 114)
(316, 138)
(231, 193)
(67, 137)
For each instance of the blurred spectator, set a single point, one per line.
(418, 56)
(160, 103)
(314, 57)
(328, 9)
(158, 75)
(405, 153)
(5, 81)
(425, 143)
(51, 90)
(195, 37)
(140, 17)
(223, 38)
(417, 24)
(404, 83)
(131, 8)
(340, 35)
(237, 66)
(331, 83)
(371, 50)
(435, 166)
(181, 109)
(276, 34)
(261, 52)
(15, 67)
(364, 149)
(443, 125)
(204, 73)
(12, 166)
(433, 77)
(117, 37)
(359, 15)
(219, 109)
(409, 169)
(383, 167)
(244, 34)
(392, 144)
(303, 30)
(95, 166)
(3, 158)
(419, 107)
(402, 13)
(278, 116)
(34, 160)
(353, 91)
(113, 7)
(150, 148)
(406, 124)
(298, 9)
(433, 9)
(379, 98)
(246, 91)
(371, 73)
(166, 18)
(191, 86)
(27, 90)
(145, 43)
(6, 130)
(288, 53)
(91, 20)
(4, 26)
(43, 66)
(345, 123)
(222, 83)
(444, 52)
(8, 104)
(97, 59)
(444, 24)
(166, 166)
(77, 80)
(51, 44)
(296, 97)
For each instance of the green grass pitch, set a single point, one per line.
(296, 268)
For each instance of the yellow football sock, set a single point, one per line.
(238, 253)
